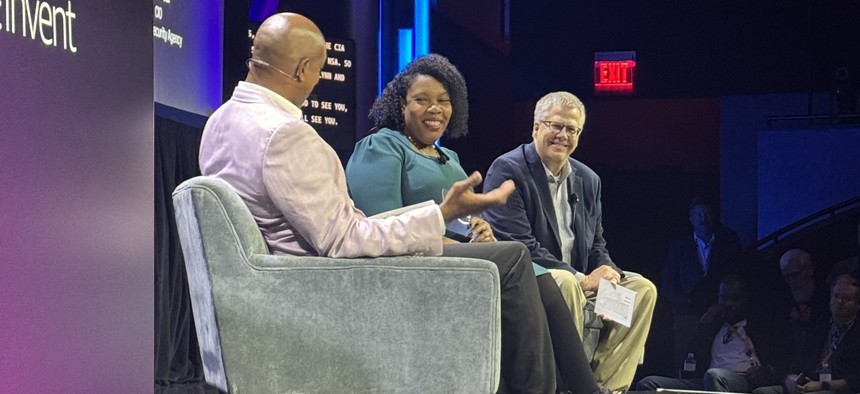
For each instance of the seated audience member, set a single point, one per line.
(810, 300)
(835, 343)
(730, 346)
(845, 266)
(556, 212)
(399, 164)
(696, 262)
(294, 186)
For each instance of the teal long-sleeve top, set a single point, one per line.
(385, 173)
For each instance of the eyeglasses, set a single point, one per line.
(556, 127)
(842, 299)
(265, 64)
(789, 276)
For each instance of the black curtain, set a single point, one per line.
(177, 358)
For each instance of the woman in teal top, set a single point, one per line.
(400, 164)
(386, 172)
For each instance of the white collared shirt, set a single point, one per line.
(704, 248)
(563, 210)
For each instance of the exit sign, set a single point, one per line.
(614, 72)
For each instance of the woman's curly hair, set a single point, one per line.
(387, 110)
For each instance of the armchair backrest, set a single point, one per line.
(213, 223)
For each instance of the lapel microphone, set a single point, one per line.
(443, 158)
(573, 199)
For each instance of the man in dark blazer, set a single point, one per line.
(556, 213)
(696, 262)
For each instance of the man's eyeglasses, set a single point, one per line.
(842, 300)
(790, 276)
(556, 127)
(265, 64)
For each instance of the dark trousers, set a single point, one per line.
(574, 370)
(527, 356)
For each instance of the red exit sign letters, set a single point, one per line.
(614, 72)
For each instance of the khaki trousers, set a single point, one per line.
(620, 348)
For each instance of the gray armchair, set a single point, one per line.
(285, 324)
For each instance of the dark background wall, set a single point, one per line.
(686, 49)
(777, 172)
(76, 205)
(804, 171)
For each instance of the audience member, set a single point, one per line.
(730, 345)
(696, 262)
(810, 301)
(294, 186)
(835, 343)
(400, 164)
(556, 212)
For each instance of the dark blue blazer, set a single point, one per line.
(529, 216)
(684, 280)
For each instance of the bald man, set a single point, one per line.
(294, 186)
(810, 301)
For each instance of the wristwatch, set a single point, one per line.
(825, 385)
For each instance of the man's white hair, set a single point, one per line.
(557, 99)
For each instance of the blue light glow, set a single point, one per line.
(404, 48)
(422, 27)
(379, 58)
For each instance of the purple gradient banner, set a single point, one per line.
(76, 201)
